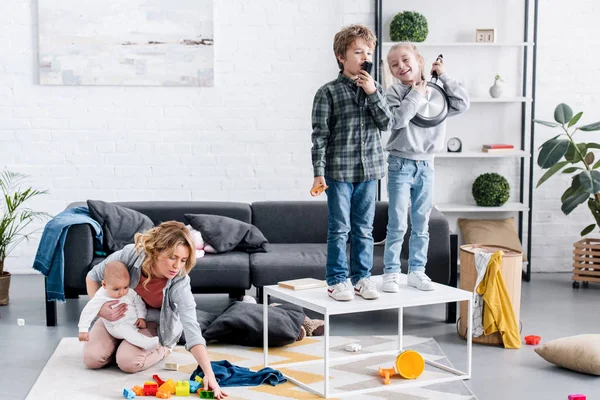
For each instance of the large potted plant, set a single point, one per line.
(15, 218)
(562, 153)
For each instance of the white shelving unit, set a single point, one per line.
(481, 154)
(465, 44)
(473, 208)
(518, 105)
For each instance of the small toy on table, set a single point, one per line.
(128, 394)
(532, 339)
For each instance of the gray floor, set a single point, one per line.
(550, 308)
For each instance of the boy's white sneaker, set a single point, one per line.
(367, 289)
(341, 292)
(419, 280)
(391, 282)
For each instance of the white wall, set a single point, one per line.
(248, 138)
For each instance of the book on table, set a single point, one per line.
(304, 283)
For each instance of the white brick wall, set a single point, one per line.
(248, 138)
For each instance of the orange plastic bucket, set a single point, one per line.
(410, 364)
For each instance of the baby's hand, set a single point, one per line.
(140, 323)
(438, 67)
(84, 336)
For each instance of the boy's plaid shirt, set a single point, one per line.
(347, 138)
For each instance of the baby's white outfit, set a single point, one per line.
(123, 328)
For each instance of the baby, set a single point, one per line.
(115, 285)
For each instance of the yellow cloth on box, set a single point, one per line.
(498, 314)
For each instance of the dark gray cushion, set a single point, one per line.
(226, 234)
(161, 211)
(119, 224)
(298, 260)
(215, 272)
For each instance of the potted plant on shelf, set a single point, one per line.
(15, 217)
(577, 159)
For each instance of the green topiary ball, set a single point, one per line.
(490, 190)
(408, 26)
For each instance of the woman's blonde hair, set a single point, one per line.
(164, 238)
(415, 51)
(344, 39)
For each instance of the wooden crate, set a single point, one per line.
(511, 269)
(586, 260)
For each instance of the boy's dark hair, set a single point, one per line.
(344, 38)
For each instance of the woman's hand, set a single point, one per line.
(112, 314)
(438, 67)
(210, 383)
(366, 82)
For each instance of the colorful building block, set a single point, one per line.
(206, 394)
(532, 339)
(194, 386)
(163, 395)
(138, 390)
(577, 397)
(171, 366)
(168, 386)
(150, 388)
(157, 379)
(128, 394)
(198, 379)
(182, 388)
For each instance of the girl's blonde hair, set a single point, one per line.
(164, 238)
(414, 50)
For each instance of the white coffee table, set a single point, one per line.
(319, 301)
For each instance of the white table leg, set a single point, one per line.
(400, 328)
(470, 337)
(266, 329)
(326, 372)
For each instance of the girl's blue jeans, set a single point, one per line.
(410, 186)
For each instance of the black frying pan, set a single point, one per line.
(434, 110)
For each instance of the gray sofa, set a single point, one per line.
(297, 234)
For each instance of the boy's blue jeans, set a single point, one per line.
(351, 211)
(410, 183)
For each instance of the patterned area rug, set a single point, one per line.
(65, 377)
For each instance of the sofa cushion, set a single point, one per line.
(221, 271)
(119, 224)
(226, 234)
(298, 260)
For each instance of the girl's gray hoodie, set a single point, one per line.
(410, 141)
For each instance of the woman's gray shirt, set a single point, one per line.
(178, 311)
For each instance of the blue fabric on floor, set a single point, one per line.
(228, 374)
(50, 256)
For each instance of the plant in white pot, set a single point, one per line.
(15, 218)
